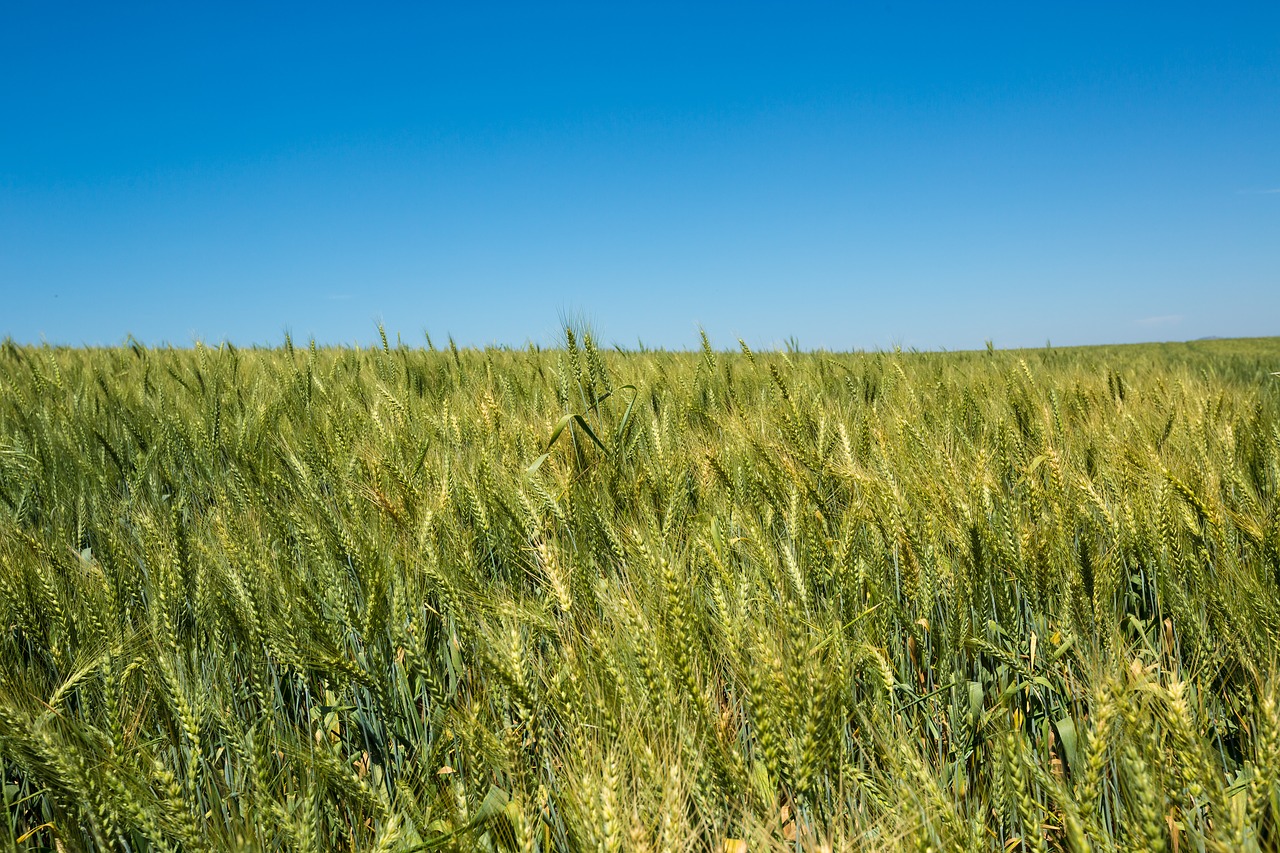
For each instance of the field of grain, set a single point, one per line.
(568, 599)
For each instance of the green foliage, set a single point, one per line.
(337, 599)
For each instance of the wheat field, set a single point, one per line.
(396, 598)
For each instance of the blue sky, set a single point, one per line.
(856, 176)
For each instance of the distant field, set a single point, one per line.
(404, 599)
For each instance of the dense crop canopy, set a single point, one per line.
(567, 600)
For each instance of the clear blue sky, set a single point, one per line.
(854, 175)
